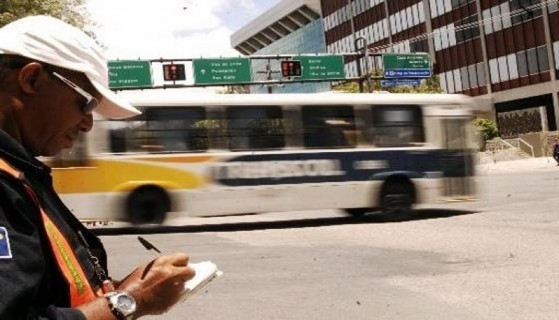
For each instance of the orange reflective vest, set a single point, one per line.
(81, 290)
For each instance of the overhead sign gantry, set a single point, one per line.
(138, 74)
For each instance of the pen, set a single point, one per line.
(149, 246)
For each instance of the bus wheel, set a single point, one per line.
(397, 199)
(357, 212)
(148, 204)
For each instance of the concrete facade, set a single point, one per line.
(290, 27)
(504, 53)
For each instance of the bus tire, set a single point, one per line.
(148, 204)
(357, 212)
(397, 198)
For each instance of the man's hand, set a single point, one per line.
(158, 285)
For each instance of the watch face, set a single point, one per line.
(126, 304)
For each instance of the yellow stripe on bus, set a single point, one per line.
(108, 175)
(182, 159)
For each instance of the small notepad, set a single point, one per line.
(206, 271)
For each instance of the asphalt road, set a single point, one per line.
(495, 258)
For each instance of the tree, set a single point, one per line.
(486, 130)
(71, 11)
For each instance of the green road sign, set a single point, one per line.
(129, 73)
(406, 65)
(221, 71)
(321, 67)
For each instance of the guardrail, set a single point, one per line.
(518, 148)
(528, 145)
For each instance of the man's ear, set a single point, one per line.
(30, 77)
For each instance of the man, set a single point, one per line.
(52, 76)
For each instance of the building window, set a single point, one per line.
(494, 71)
(459, 3)
(465, 78)
(556, 51)
(445, 37)
(472, 75)
(457, 80)
(522, 64)
(421, 13)
(543, 60)
(532, 56)
(524, 10)
(481, 74)
(441, 7)
(442, 80)
(467, 29)
(487, 23)
(513, 69)
(450, 81)
(496, 18)
(433, 6)
(503, 68)
(419, 46)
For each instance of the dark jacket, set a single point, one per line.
(31, 284)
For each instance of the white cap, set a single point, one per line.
(55, 42)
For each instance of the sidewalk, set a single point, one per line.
(531, 164)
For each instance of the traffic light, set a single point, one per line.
(173, 72)
(291, 68)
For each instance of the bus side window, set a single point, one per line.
(329, 126)
(255, 128)
(160, 129)
(200, 132)
(117, 140)
(397, 126)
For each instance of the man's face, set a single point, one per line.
(56, 116)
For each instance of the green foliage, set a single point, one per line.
(429, 85)
(71, 11)
(486, 130)
(235, 90)
(207, 124)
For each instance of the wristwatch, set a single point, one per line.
(122, 305)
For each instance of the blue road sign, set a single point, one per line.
(400, 82)
(407, 73)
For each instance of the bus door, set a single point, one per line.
(458, 161)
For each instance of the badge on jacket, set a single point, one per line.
(5, 252)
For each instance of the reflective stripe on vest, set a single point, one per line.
(80, 288)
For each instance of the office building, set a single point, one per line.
(504, 53)
(290, 27)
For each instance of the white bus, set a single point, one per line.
(226, 154)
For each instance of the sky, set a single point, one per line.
(172, 29)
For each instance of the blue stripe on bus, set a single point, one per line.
(295, 168)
